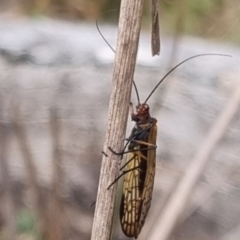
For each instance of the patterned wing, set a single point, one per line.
(129, 209)
(138, 186)
(146, 196)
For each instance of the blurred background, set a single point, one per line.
(55, 83)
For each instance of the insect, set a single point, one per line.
(140, 172)
(139, 169)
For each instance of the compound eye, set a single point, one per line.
(138, 108)
(146, 107)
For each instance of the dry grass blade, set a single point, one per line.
(155, 29)
(233, 234)
(166, 222)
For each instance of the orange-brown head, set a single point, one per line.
(142, 113)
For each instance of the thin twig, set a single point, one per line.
(206, 196)
(166, 222)
(57, 223)
(125, 59)
(7, 185)
(233, 234)
(37, 194)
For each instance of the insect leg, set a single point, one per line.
(104, 153)
(127, 162)
(122, 174)
(116, 153)
(130, 139)
(92, 204)
(136, 150)
(120, 153)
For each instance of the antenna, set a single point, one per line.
(195, 56)
(105, 40)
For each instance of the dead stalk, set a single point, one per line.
(9, 210)
(124, 66)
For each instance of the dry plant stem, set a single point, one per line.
(124, 65)
(37, 195)
(166, 222)
(8, 201)
(208, 194)
(155, 29)
(56, 211)
(233, 234)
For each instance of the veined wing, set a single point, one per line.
(149, 179)
(138, 186)
(129, 209)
